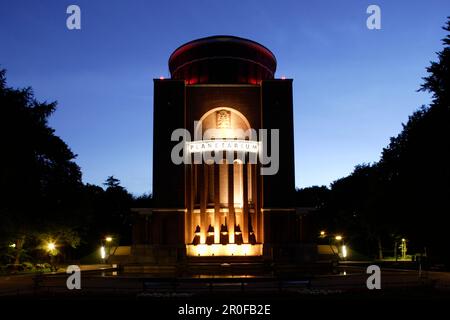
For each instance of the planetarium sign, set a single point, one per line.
(223, 145)
(229, 146)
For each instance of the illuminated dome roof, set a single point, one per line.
(222, 59)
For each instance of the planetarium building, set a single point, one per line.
(223, 159)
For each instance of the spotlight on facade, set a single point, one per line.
(210, 236)
(232, 249)
(224, 234)
(196, 239)
(238, 239)
(252, 238)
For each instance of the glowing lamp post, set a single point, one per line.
(50, 247)
(403, 247)
(105, 247)
(344, 250)
(103, 253)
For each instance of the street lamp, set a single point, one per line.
(344, 251)
(103, 253)
(403, 248)
(105, 247)
(338, 238)
(51, 247)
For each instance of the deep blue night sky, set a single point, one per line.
(353, 87)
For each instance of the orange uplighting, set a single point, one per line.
(224, 250)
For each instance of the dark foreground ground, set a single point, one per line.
(232, 296)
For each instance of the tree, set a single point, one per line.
(407, 192)
(39, 180)
(314, 196)
(109, 211)
(438, 80)
(416, 163)
(112, 182)
(143, 201)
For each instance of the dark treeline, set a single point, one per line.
(42, 196)
(406, 194)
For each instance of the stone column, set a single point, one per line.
(189, 227)
(245, 202)
(258, 204)
(257, 215)
(203, 189)
(216, 203)
(231, 217)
